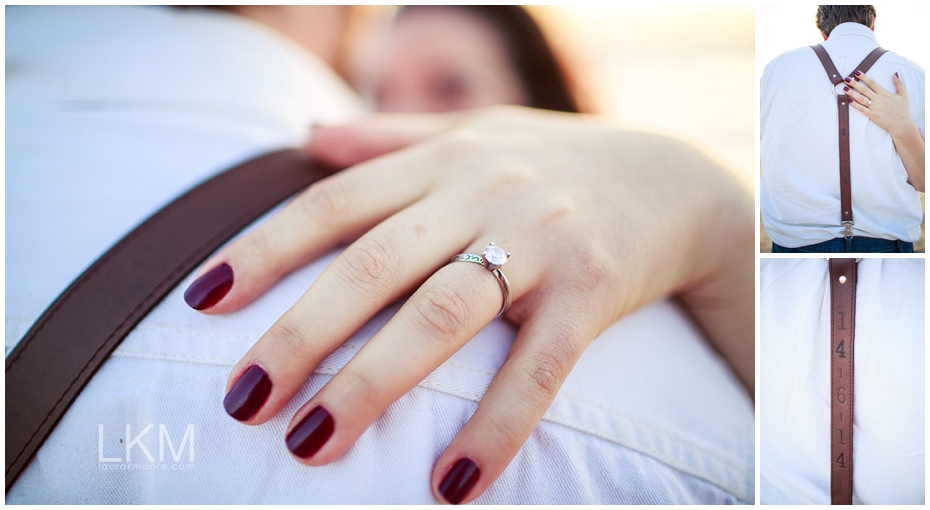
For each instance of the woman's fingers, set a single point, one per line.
(855, 96)
(352, 143)
(891, 112)
(546, 349)
(862, 108)
(868, 84)
(332, 211)
(450, 308)
(858, 90)
(382, 266)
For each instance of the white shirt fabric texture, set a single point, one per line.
(800, 185)
(114, 111)
(794, 389)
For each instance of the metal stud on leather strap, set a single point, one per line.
(843, 273)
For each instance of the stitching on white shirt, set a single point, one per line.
(599, 433)
(470, 369)
(428, 383)
(647, 426)
(659, 456)
(161, 329)
(179, 357)
(564, 421)
(164, 356)
(332, 369)
(196, 332)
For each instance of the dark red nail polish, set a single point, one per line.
(311, 433)
(847, 80)
(248, 394)
(896, 76)
(210, 288)
(846, 89)
(858, 73)
(459, 480)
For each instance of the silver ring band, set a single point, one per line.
(494, 269)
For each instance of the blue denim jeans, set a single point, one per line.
(850, 245)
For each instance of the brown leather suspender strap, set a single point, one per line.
(843, 278)
(50, 366)
(842, 104)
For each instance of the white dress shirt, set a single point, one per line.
(794, 389)
(112, 112)
(800, 185)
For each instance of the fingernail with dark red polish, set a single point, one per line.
(459, 480)
(896, 76)
(846, 89)
(847, 80)
(858, 73)
(210, 288)
(248, 394)
(311, 433)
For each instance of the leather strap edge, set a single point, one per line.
(258, 185)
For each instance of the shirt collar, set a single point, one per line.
(852, 29)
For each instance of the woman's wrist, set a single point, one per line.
(905, 131)
(720, 294)
(910, 147)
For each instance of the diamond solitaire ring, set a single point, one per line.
(492, 258)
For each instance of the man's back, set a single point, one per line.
(800, 191)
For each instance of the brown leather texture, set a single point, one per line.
(832, 74)
(56, 358)
(843, 276)
(842, 104)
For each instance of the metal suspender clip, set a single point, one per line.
(848, 225)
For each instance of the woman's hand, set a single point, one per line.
(892, 113)
(599, 221)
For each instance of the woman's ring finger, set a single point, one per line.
(492, 258)
(450, 307)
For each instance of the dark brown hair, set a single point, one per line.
(829, 16)
(545, 81)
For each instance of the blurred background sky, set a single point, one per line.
(686, 71)
(675, 69)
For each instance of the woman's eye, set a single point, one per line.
(450, 87)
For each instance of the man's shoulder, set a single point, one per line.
(897, 59)
(789, 58)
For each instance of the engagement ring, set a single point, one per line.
(492, 258)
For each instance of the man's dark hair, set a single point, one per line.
(829, 16)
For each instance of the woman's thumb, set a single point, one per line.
(899, 85)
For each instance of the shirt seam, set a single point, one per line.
(431, 384)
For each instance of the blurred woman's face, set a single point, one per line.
(443, 59)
